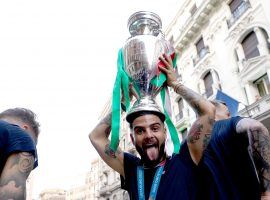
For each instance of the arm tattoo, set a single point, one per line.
(206, 140)
(109, 152)
(26, 162)
(190, 96)
(259, 141)
(195, 132)
(14, 175)
(207, 136)
(260, 145)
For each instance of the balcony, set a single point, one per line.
(253, 68)
(107, 190)
(238, 12)
(182, 119)
(259, 110)
(195, 22)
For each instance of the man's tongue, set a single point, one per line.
(152, 153)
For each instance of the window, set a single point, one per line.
(263, 86)
(202, 50)
(234, 5)
(208, 82)
(249, 44)
(180, 107)
(238, 8)
(200, 46)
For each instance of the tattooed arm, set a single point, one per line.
(99, 138)
(200, 132)
(259, 141)
(14, 175)
(199, 104)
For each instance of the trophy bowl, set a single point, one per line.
(141, 54)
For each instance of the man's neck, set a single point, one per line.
(154, 165)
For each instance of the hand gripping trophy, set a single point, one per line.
(138, 62)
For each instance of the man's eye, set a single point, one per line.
(139, 131)
(155, 129)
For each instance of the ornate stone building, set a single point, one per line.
(53, 194)
(223, 45)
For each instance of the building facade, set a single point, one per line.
(53, 194)
(223, 45)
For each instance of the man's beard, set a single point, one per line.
(145, 159)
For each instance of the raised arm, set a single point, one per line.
(99, 138)
(199, 104)
(14, 175)
(200, 131)
(259, 141)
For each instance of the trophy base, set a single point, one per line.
(145, 105)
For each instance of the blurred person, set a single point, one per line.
(232, 154)
(19, 132)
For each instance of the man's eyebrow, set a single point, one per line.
(156, 123)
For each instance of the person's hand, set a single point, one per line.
(132, 93)
(168, 70)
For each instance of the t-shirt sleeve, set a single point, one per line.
(130, 165)
(19, 141)
(235, 121)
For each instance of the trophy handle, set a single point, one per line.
(134, 92)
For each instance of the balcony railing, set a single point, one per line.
(108, 189)
(179, 116)
(256, 108)
(238, 12)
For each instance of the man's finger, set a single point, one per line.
(168, 59)
(163, 69)
(164, 61)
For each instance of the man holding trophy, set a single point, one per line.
(154, 175)
(205, 167)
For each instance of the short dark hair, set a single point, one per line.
(218, 102)
(23, 114)
(135, 115)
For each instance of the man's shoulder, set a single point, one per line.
(4, 125)
(16, 139)
(225, 129)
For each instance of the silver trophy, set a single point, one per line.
(141, 57)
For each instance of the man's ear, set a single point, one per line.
(132, 138)
(25, 127)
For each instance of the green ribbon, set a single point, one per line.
(171, 127)
(158, 81)
(121, 84)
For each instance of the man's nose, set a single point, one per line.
(148, 133)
